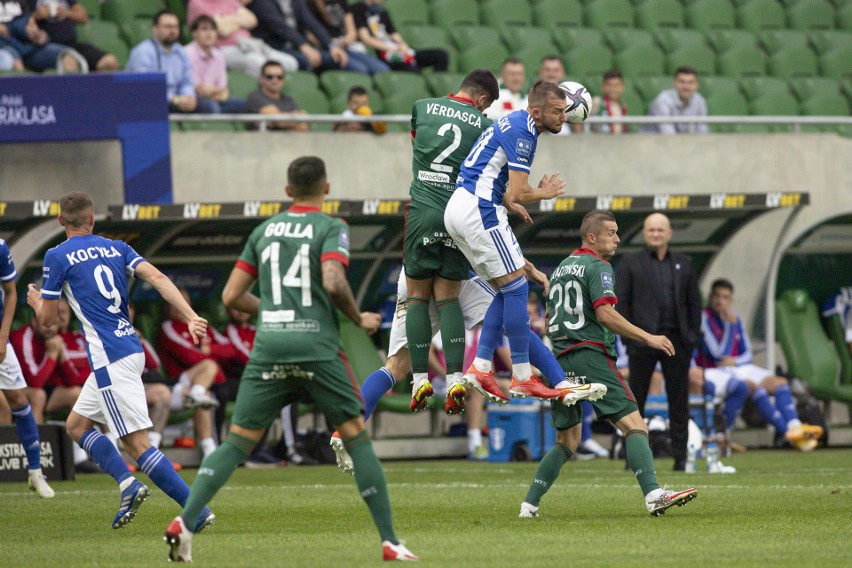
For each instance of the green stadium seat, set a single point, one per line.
(722, 40)
(93, 8)
(836, 63)
(339, 103)
(441, 84)
(620, 39)
(774, 104)
(487, 56)
(606, 13)
(451, 13)
(568, 38)
(532, 56)
(807, 349)
(756, 15)
(775, 40)
(636, 61)
(824, 41)
(397, 84)
(699, 57)
(725, 103)
(520, 37)
(178, 7)
(212, 127)
(548, 13)
(634, 102)
(741, 60)
(717, 84)
(793, 62)
(301, 88)
(335, 82)
(499, 12)
(135, 30)
(119, 11)
(105, 35)
(588, 59)
(651, 14)
(826, 105)
(806, 87)
(426, 37)
(707, 15)
(313, 101)
(844, 17)
(846, 87)
(468, 36)
(755, 87)
(807, 15)
(650, 87)
(408, 12)
(673, 38)
(240, 85)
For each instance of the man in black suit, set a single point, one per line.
(658, 291)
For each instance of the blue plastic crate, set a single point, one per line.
(521, 428)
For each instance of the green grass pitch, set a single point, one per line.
(779, 509)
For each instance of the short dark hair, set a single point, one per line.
(685, 70)
(306, 176)
(551, 58)
(510, 61)
(163, 12)
(722, 283)
(612, 74)
(271, 63)
(481, 82)
(542, 91)
(75, 208)
(356, 91)
(593, 222)
(203, 19)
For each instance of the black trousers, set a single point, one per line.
(676, 372)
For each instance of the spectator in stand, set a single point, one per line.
(158, 395)
(512, 97)
(162, 53)
(286, 25)
(336, 16)
(234, 23)
(682, 100)
(38, 349)
(209, 72)
(59, 18)
(267, 99)
(610, 103)
(28, 45)
(376, 30)
(552, 70)
(358, 103)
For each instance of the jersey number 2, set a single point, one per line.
(438, 164)
(298, 275)
(576, 310)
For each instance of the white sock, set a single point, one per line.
(474, 439)
(208, 446)
(453, 379)
(418, 380)
(126, 483)
(35, 472)
(155, 438)
(482, 365)
(522, 371)
(794, 423)
(80, 454)
(198, 391)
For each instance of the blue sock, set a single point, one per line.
(784, 402)
(161, 471)
(28, 434)
(374, 387)
(492, 329)
(734, 401)
(588, 416)
(104, 454)
(516, 319)
(544, 361)
(768, 410)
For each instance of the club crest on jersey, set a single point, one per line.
(524, 149)
(607, 281)
(343, 240)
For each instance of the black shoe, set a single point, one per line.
(297, 458)
(87, 466)
(262, 459)
(679, 465)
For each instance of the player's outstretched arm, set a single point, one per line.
(535, 275)
(615, 322)
(161, 283)
(335, 284)
(237, 292)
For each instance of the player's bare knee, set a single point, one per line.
(632, 421)
(136, 443)
(253, 435)
(351, 427)
(570, 437)
(399, 364)
(16, 398)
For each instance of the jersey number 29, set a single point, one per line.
(576, 310)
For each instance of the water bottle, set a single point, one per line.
(712, 457)
(691, 454)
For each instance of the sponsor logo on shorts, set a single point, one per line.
(280, 372)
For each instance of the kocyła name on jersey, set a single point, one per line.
(91, 253)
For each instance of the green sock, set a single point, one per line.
(418, 326)
(370, 479)
(213, 473)
(547, 472)
(641, 460)
(452, 333)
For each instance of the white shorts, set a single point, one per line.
(114, 395)
(179, 391)
(11, 376)
(492, 252)
(474, 298)
(720, 376)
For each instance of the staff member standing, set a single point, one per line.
(658, 291)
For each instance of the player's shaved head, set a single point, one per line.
(306, 177)
(594, 222)
(76, 209)
(543, 91)
(481, 82)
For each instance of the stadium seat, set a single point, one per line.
(756, 15)
(521, 37)
(620, 39)
(774, 104)
(179, 8)
(725, 103)
(700, 57)
(636, 61)
(532, 56)
(806, 87)
(93, 8)
(722, 40)
(846, 87)
(451, 13)
(673, 38)
(398, 84)
(211, 126)
(105, 35)
(313, 101)
(844, 17)
(793, 62)
(776, 40)
(119, 11)
(548, 13)
(707, 15)
(426, 37)
(468, 36)
(441, 84)
(240, 85)
(606, 13)
(408, 12)
(135, 30)
(650, 87)
(587, 59)
(634, 102)
(825, 104)
(836, 63)
(824, 41)
(741, 60)
(339, 103)
(717, 84)
(499, 12)
(336, 82)
(807, 349)
(807, 15)
(569, 38)
(754, 87)
(651, 14)
(487, 56)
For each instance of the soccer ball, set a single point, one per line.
(579, 101)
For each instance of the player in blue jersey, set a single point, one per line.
(494, 180)
(92, 272)
(12, 381)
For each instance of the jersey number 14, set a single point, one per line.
(298, 275)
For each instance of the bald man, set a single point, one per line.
(657, 290)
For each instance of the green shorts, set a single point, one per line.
(267, 388)
(428, 248)
(593, 366)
